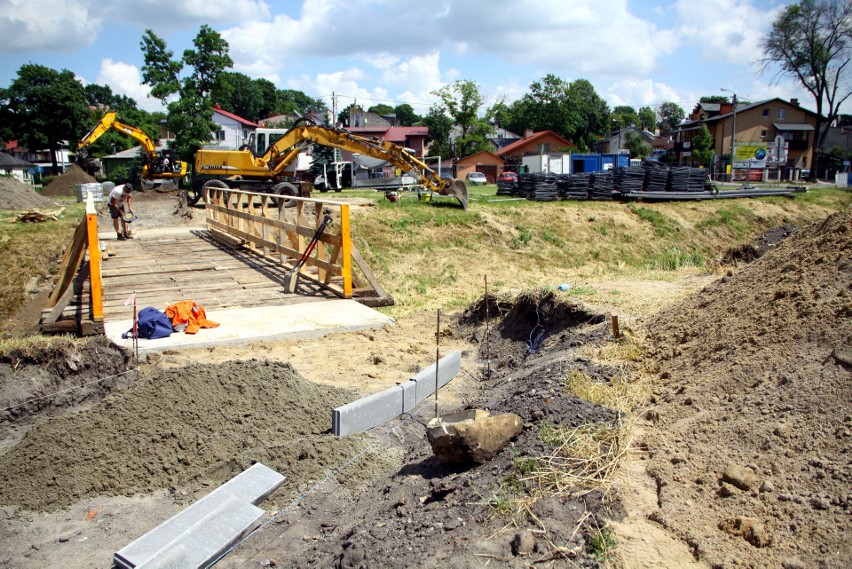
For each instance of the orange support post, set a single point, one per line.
(94, 261)
(346, 245)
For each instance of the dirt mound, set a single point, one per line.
(759, 247)
(15, 195)
(753, 425)
(428, 514)
(190, 429)
(63, 185)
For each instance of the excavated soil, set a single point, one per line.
(15, 195)
(746, 439)
(63, 185)
(752, 425)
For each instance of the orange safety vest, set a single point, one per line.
(189, 313)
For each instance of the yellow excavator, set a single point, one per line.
(241, 169)
(154, 165)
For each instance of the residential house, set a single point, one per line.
(542, 142)
(500, 138)
(786, 128)
(486, 162)
(17, 169)
(234, 131)
(359, 118)
(41, 159)
(614, 142)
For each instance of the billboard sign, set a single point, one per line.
(750, 154)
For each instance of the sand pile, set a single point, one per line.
(15, 195)
(63, 185)
(753, 420)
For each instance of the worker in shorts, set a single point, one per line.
(121, 202)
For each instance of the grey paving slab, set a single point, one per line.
(409, 396)
(251, 486)
(206, 541)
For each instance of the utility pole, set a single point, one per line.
(733, 130)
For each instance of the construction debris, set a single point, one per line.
(36, 216)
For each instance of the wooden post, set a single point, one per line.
(615, 331)
(94, 261)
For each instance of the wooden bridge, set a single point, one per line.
(240, 260)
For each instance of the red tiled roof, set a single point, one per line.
(236, 117)
(400, 133)
(506, 150)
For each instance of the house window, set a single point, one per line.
(763, 133)
(766, 112)
(543, 148)
(220, 135)
(782, 114)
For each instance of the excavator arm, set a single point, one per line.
(285, 150)
(110, 122)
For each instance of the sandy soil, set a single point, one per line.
(741, 459)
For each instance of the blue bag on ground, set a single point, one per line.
(151, 324)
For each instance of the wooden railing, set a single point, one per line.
(280, 228)
(74, 271)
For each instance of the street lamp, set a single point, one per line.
(733, 129)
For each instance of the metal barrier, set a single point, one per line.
(280, 228)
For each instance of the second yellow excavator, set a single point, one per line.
(154, 164)
(241, 169)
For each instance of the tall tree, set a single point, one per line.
(544, 107)
(714, 99)
(590, 111)
(294, 102)
(381, 109)
(190, 116)
(623, 116)
(810, 41)
(405, 115)
(647, 118)
(671, 115)
(637, 147)
(440, 128)
(463, 102)
(43, 107)
(702, 146)
(240, 94)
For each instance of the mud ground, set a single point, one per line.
(741, 459)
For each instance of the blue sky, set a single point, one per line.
(634, 52)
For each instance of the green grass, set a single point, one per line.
(663, 226)
(602, 545)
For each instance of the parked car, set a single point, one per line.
(508, 177)
(476, 179)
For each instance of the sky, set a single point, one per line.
(634, 52)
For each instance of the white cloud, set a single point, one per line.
(29, 25)
(639, 93)
(724, 30)
(125, 79)
(344, 84)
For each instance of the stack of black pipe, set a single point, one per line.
(602, 187)
(631, 179)
(507, 188)
(526, 186)
(544, 188)
(578, 186)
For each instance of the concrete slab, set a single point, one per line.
(218, 510)
(243, 325)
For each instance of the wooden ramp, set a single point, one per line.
(169, 265)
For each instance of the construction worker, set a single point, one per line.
(120, 203)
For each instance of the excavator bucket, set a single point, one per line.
(457, 189)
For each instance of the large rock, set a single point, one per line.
(471, 437)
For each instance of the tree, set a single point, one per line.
(405, 115)
(381, 109)
(462, 102)
(637, 147)
(702, 146)
(294, 102)
(671, 115)
(714, 99)
(240, 94)
(440, 127)
(190, 116)
(43, 107)
(647, 118)
(623, 116)
(590, 112)
(810, 41)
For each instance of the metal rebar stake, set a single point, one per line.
(487, 334)
(437, 359)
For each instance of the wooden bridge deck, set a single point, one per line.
(173, 264)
